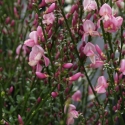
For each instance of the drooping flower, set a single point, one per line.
(71, 113)
(89, 29)
(89, 50)
(89, 5)
(36, 54)
(101, 85)
(77, 96)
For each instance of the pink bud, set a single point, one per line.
(75, 77)
(41, 75)
(116, 78)
(54, 94)
(10, 90)
(12, 23)
(51, 8)
(75, 18)
(39, 100)
(74, 8)
(50, 33)
(16, 12)
(20, 120)
(58, 87)
(42, 4)
(7, 20)
(67, 65)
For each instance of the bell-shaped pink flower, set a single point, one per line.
(89, 28)
(89, 5)
(35, 55)
(51, 8)
(89, 50)
(75, 77)
(101, 85)
(122, 66)
(67, 65)
(41, 75)
(48, 18)
(77, 96)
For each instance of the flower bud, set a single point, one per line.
(51, 8)
(10, 90)
(41, 75)
(54, 94)
(39, 100)
(7, 20)
(20, 120)
(75, 77)
(67, 65)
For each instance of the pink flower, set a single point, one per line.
(35, 36)
(122, 66)
(72, 113)
(33, 39)
(48, 18)
(36, 54)
(113, 24)
(25, 50)
(89, 28)
(89, 50)
(105, 11)
(77, 96)
(89, 5)
(101, 85)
